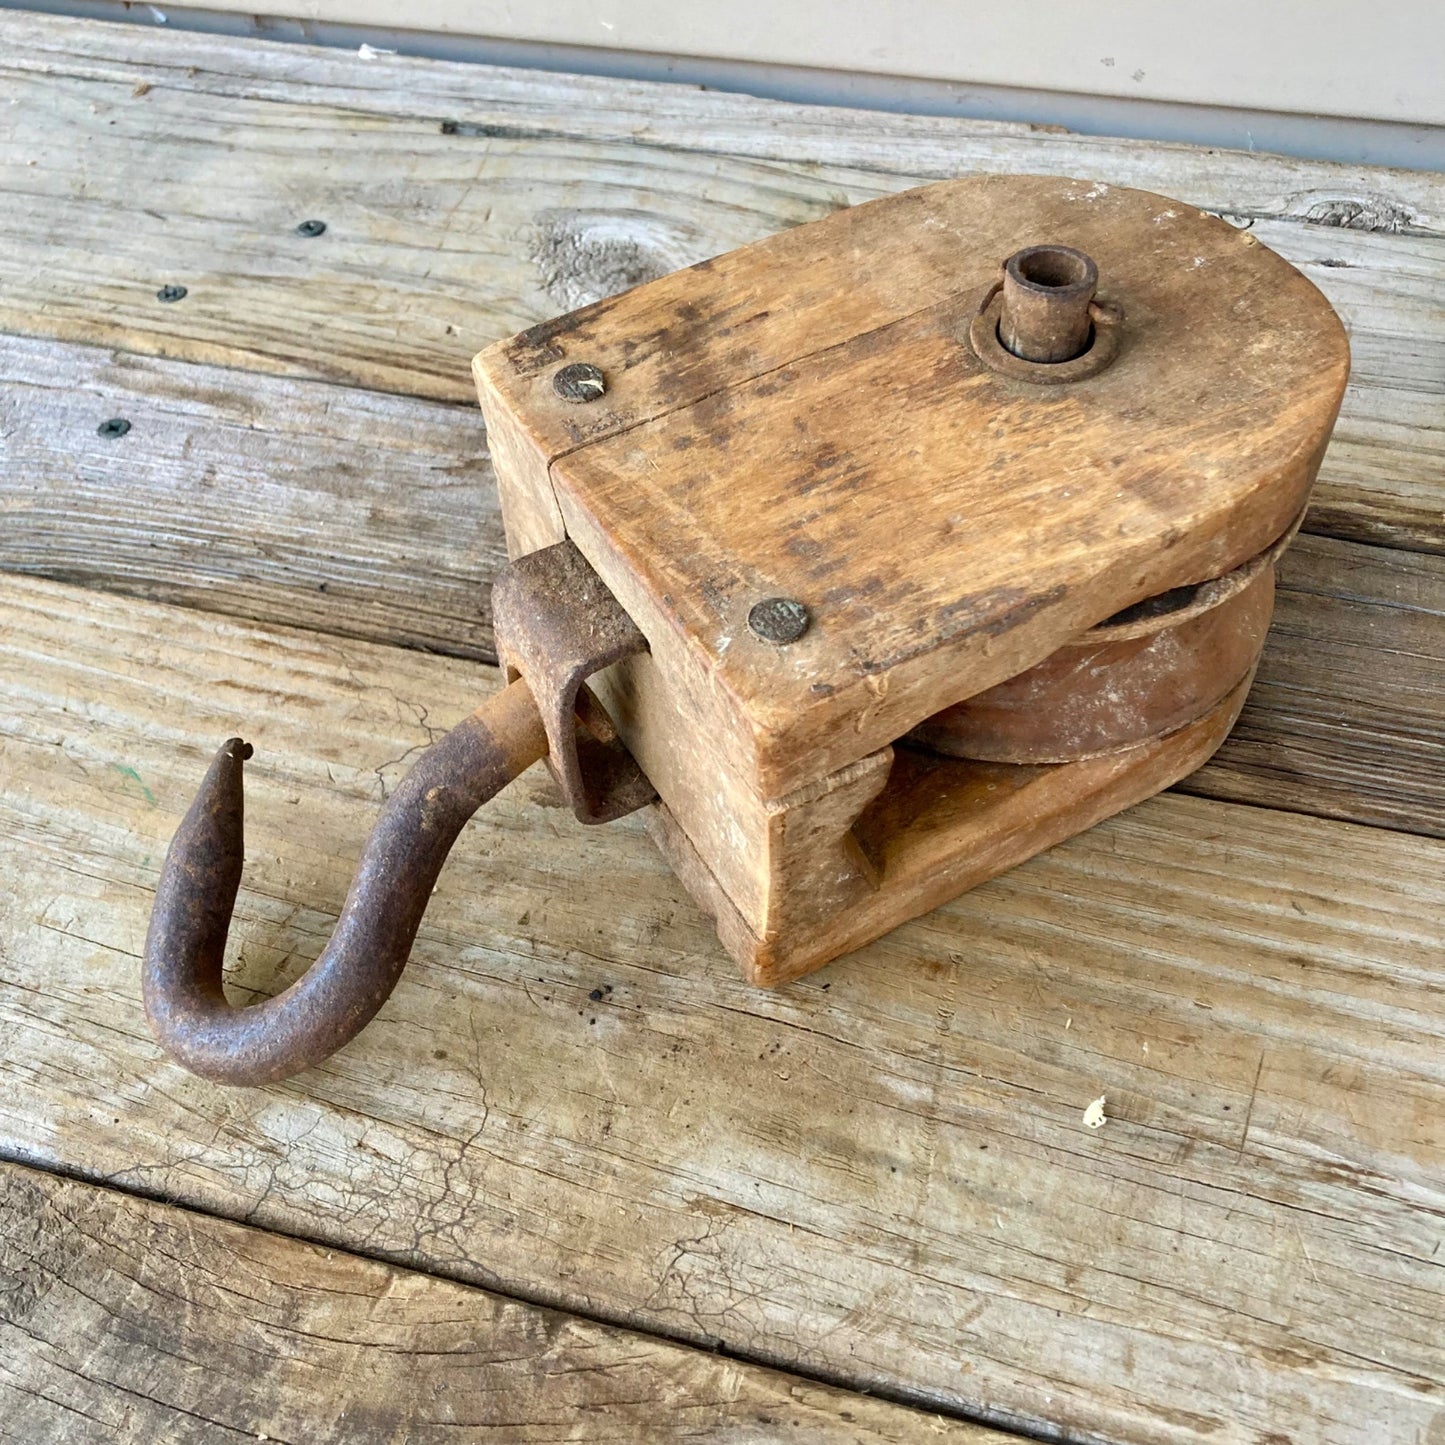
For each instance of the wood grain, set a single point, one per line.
(464, 203)
(879, 1175)
(1345, 718)
(495, 102)
(940, 827)
(286, 501)
(375, 516)
(123, 1319)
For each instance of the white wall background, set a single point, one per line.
(1336, 57)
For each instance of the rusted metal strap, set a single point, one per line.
(556, 624)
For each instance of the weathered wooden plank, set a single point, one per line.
(298, 502)
(375, 516)
(881, 1174)
(464, 202)
(124, 1319)
(1345, 718)
(522, 103)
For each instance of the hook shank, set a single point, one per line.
(399, 865)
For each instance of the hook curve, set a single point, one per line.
(355, 973)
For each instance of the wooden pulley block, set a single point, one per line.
(869, 560)
(949, 523)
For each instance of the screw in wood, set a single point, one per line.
(117, 426)
(311, 228)
(171, 293)
(779, 620)
(579, 382)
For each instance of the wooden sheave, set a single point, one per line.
(806, 418)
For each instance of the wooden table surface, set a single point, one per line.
(577, 1181)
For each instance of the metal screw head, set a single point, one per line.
(579, 382)
(311, 228)
(779, 620)
(171, 293)
(117, 426)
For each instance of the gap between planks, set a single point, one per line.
(101, 1286)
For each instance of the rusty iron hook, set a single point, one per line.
(340, 993)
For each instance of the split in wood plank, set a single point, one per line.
(375, 516)
(123, 1319)
(482, 200)
(880, 1175)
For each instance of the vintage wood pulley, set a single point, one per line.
(870, 560)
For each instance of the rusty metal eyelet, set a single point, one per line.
(1106, 321)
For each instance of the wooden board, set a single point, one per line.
(879, 1175)
(1345, 718)
(375, 516)
(298, 502)
(122, 1319)
(463, 203)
